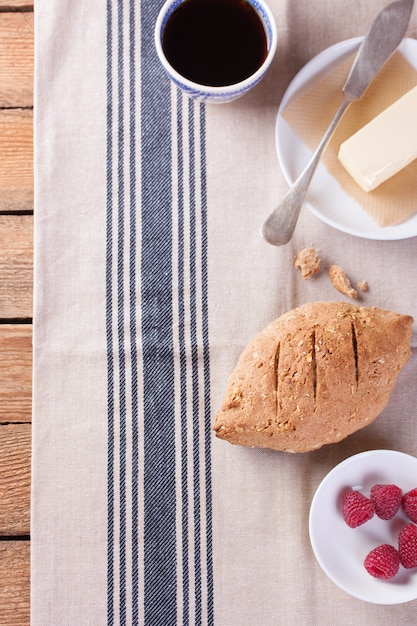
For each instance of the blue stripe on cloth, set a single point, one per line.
(206, 372)
(109, 320)
(182, 364)
(160, 592)
(132, 311)
(177, 534)
(195, 369)
(195, 414)
(120, 308)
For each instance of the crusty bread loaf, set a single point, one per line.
(314, 376)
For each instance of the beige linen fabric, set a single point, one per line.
(231, 547)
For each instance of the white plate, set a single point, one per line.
(326, 199)
(340, 550)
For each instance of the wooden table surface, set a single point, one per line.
(16, 268)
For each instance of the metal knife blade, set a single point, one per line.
(383, 38)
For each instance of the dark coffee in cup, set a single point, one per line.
(215, 42)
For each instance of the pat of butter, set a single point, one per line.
(384, 146)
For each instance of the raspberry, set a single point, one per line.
(382, 562)
(409, 504)
(386, 500)
(407, 546)
(357, 508)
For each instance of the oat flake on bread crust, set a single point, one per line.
(314, 376)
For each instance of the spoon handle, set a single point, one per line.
(279, 226)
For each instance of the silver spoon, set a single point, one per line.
(383, 38)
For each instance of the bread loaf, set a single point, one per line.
(314, 376)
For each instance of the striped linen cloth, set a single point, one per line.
(150, 278)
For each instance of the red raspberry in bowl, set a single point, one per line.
(357, 508)
(409, 504)
(386, 500)
(407, 546)
(382, 562)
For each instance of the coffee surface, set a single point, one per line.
(215, 42)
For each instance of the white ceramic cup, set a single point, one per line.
(227, 93)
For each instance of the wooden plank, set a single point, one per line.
(16, 158)
(16, 59)
(16, 266)
(15, 373)
(15, 455)
(15, 583)
(14, 5)
(16, 194)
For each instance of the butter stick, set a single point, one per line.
(384, 146)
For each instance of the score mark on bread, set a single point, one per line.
(314, 376)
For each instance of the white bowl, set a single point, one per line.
(228, 93)
(326, 199)
(341, 550)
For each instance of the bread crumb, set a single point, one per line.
(362, 285)
(341, 282)
(308, 262)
